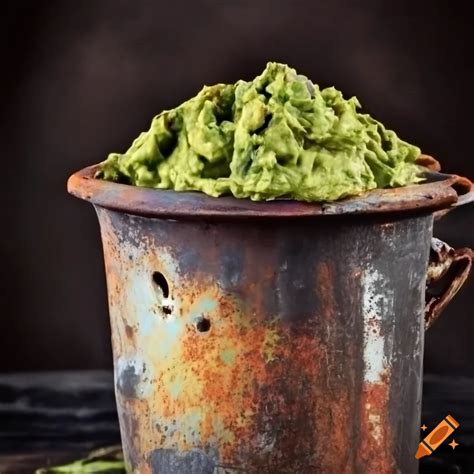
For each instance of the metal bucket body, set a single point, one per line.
(270, 346)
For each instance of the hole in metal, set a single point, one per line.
(203, 325)
(160, 280)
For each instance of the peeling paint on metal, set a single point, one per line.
(377, 299)
(292, 371)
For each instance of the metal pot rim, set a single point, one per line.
(440, 192)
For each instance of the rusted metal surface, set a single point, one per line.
(451, 265)
(310, 360)
(269, 337)
(428, 162)
(439, 192)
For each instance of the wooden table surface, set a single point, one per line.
(50, 418)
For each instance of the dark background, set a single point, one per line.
(83, 78)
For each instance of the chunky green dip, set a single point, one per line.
(279, 135)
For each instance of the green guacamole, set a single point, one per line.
(277, 136)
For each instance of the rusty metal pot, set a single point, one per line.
(278, 337)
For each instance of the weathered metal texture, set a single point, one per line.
(444, 261)
(274, 337)
(441, 192)
(310, 354)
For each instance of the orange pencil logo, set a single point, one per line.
(436, 437)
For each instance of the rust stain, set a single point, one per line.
(333, 416)
(129, 331)
(428, 162)
(229, 388)
(250, 389)
(375, 449)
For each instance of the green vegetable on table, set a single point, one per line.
(104, 461)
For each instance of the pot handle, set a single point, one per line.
(447, 266)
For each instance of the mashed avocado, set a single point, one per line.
(279, 135)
